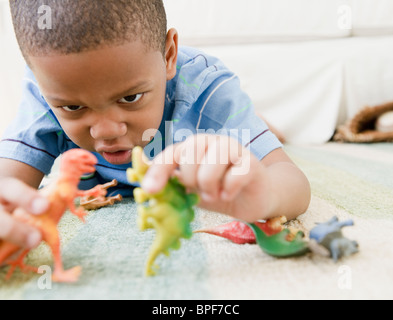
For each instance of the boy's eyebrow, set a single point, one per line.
(57, 99)
(135, 88)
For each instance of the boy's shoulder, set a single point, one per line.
(196, 72)
(195, 59)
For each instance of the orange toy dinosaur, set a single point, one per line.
(61, 195)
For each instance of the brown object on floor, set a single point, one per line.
(362, 128)
(90, 203)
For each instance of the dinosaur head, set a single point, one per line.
(77, 162)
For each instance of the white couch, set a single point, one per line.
(308, 65)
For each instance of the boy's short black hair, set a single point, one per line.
(82, 25)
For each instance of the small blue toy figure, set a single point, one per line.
(329, 236)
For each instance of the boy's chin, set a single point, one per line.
(118, 158)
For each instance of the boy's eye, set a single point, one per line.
(72, 108)
(131, 99)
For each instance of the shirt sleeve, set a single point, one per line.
(34, 137)
(226, 101)
(220, 106)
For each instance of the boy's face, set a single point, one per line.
(106, 99)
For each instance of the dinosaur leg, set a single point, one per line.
(112, 200)
(7, 250)
(151, 267)
(59, 274)
(144, 218)
(96, 192)
(145, 221)
(79, 212)
(141, 196)
(95, 198)
(108, 185)
(335, 250)
(19, 263)
(95, 203)
(161, 245)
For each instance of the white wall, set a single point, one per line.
(11, 68)
(302, 70)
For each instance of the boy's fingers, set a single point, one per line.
(202, 159)
(187, 155)
(225, 168)
(239, 176)
(233, 183)
(212, 170)
(18, 233)
(190, 157)
(14, 193)
(160, 171)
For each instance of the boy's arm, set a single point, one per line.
(273, 187)
(290, 186)
(21, 171)
(250, 190)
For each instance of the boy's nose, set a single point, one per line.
(106, 129)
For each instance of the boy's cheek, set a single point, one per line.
(81, 137)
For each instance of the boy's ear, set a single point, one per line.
(171, 48)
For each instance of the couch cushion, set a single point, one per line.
(372, 17)
(307, 89)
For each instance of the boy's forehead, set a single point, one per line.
(124, 48)
(130, 56)
(121, 67)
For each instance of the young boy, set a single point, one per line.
(107, 76)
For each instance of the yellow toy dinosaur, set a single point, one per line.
(170, 212)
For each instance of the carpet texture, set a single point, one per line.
(350, 181)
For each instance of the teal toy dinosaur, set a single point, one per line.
(170, 212)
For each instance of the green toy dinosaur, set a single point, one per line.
(281, 245)
(170, 212)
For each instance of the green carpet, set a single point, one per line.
(349, 181)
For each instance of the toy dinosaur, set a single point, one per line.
(240, 233)
(61, 194)
(170, 212)
(287, 243)
(329, 236)
(325, 239)
(93, 203)
(270, 235)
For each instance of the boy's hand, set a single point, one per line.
(227, 176)
(14, 193)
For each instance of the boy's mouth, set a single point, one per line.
(118, 157)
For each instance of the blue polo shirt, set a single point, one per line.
(203, 97)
